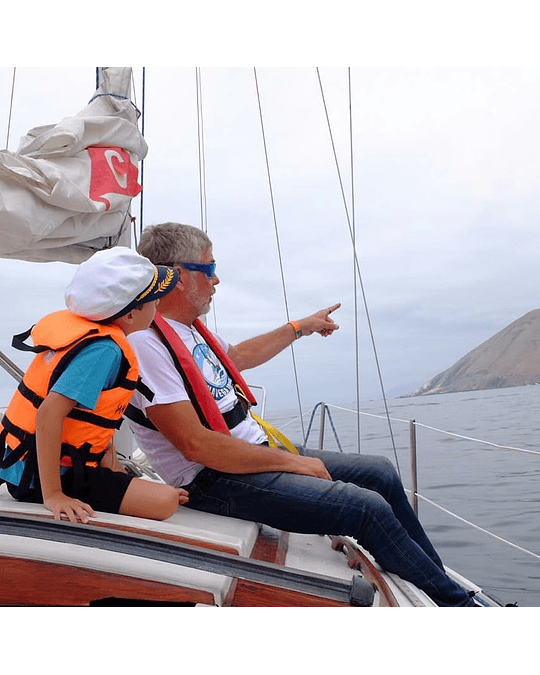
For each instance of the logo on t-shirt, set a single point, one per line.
(215, 375)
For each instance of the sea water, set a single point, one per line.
(497, 489)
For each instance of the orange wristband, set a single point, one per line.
(297, 329)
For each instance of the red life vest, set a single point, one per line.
(198, 391)
(196, 387)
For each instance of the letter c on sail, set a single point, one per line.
(112, 172)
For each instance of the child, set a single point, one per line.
(56, 435)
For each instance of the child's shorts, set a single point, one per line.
(103, 489)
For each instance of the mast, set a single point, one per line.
(115, 82)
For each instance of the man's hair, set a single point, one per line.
(173, 243)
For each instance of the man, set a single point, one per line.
(237, 473)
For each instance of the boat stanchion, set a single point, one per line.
(414, 472)
(321, 427)
(325, 410)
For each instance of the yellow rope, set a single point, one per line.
(275, 435)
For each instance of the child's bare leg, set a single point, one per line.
(146, 499)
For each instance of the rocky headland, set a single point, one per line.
(511, 358)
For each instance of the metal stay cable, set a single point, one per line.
(278, 243)
(357, 266)
(202, 170)
(10, 107)
(353, 211)
(202, 158)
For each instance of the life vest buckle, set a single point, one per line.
(242, 397)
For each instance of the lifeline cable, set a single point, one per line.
(477, 527)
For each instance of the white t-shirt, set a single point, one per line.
(160, 375)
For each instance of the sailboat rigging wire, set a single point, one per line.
(10, 107)
(357, 266)
(202, 170)
(278, 243)
(353, 211)
(202, 157)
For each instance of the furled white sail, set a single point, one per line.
(66, 191)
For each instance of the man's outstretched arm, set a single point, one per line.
(258, 350)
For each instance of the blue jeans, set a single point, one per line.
(365, 500)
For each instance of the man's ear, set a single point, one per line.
(179, 283)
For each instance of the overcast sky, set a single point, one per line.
(446, 170)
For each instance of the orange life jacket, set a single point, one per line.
(58, 338)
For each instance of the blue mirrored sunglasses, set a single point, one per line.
(209, 269)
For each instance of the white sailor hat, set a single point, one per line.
(114, 281)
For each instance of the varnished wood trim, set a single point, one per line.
(229, 598)
(181, 539)
(33, 583)
(357, 560)
(271, 546)
(250, 594)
